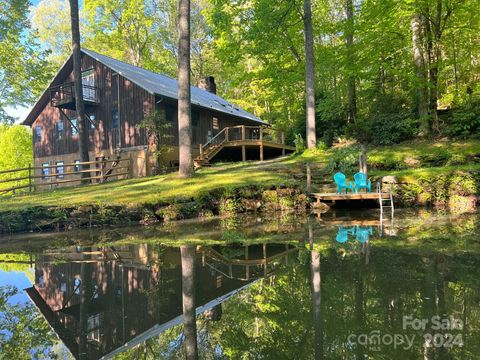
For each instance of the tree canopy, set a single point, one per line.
(24, 70)
(385, 70)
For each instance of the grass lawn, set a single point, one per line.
(156, 189)
(165, 188)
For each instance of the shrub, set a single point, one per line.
(344, 159)
(331, 119)
(299, 143)
(388, 129)
(464, 121)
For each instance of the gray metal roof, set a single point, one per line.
(165, 86)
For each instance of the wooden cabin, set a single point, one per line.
(134, 292)
(118, 97)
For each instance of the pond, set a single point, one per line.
(342, 285)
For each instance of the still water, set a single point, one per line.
(336, 286)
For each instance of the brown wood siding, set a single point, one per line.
(134, 104)
(200, 132)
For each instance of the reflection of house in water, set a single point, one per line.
(122, 296)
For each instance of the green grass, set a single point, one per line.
(166, 188)
(417, 149)
(156, 189)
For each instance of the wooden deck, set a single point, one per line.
(243, 137)
(349, 196)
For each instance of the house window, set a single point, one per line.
(115, 119)
(170, 113)
(88, 81)
(76, 167)
(46, 170)
(195, 118)
(94, 323)
(74, 126)
(60, 169)
(215, 123)
(60, 130)
(38, 133)
(91, 118)
(76, 286)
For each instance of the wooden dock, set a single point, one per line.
(329, 197)
(332, 198)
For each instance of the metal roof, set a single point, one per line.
(154, 83)
(165, 86)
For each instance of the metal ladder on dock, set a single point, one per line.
(381, 200)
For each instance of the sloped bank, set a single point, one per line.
(222, 201)
(456, 191)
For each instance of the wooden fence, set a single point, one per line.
(34, 178)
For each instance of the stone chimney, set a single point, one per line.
(208, 84)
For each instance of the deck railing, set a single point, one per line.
(245, 133)
(253, 133)
(34, 178)
(65, 94)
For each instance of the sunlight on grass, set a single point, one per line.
(164, 188)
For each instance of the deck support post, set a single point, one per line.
(260, 137)
(201, 151)
(244, 153)
(282, 137)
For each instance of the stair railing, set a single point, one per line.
(216, 140)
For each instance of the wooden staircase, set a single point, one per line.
(210, 149)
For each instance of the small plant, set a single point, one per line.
(159, 128)
(299, 143)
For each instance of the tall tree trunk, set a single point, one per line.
(188, 295)
(309, 74)
(184, 96)
(434, 33)
(316, 281)
(352, 91)
(77, 79)
(419, 60)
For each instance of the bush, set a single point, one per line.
(344, 159)
(331, 119)
(388, 121)
(299, 143)
(388, 129)
(464, 121)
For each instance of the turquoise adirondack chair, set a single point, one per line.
(342, 234)
(362, 182)
(341, 182)
(363, 233)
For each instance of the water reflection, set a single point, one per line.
(296, 290)
(101, 298)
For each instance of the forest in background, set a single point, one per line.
(386, 70)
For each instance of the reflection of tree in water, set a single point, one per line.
(24, 334)
(274, 318)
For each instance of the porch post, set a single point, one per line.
(260, 136)
(226, 134)
(29, 177)
(243, 132)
